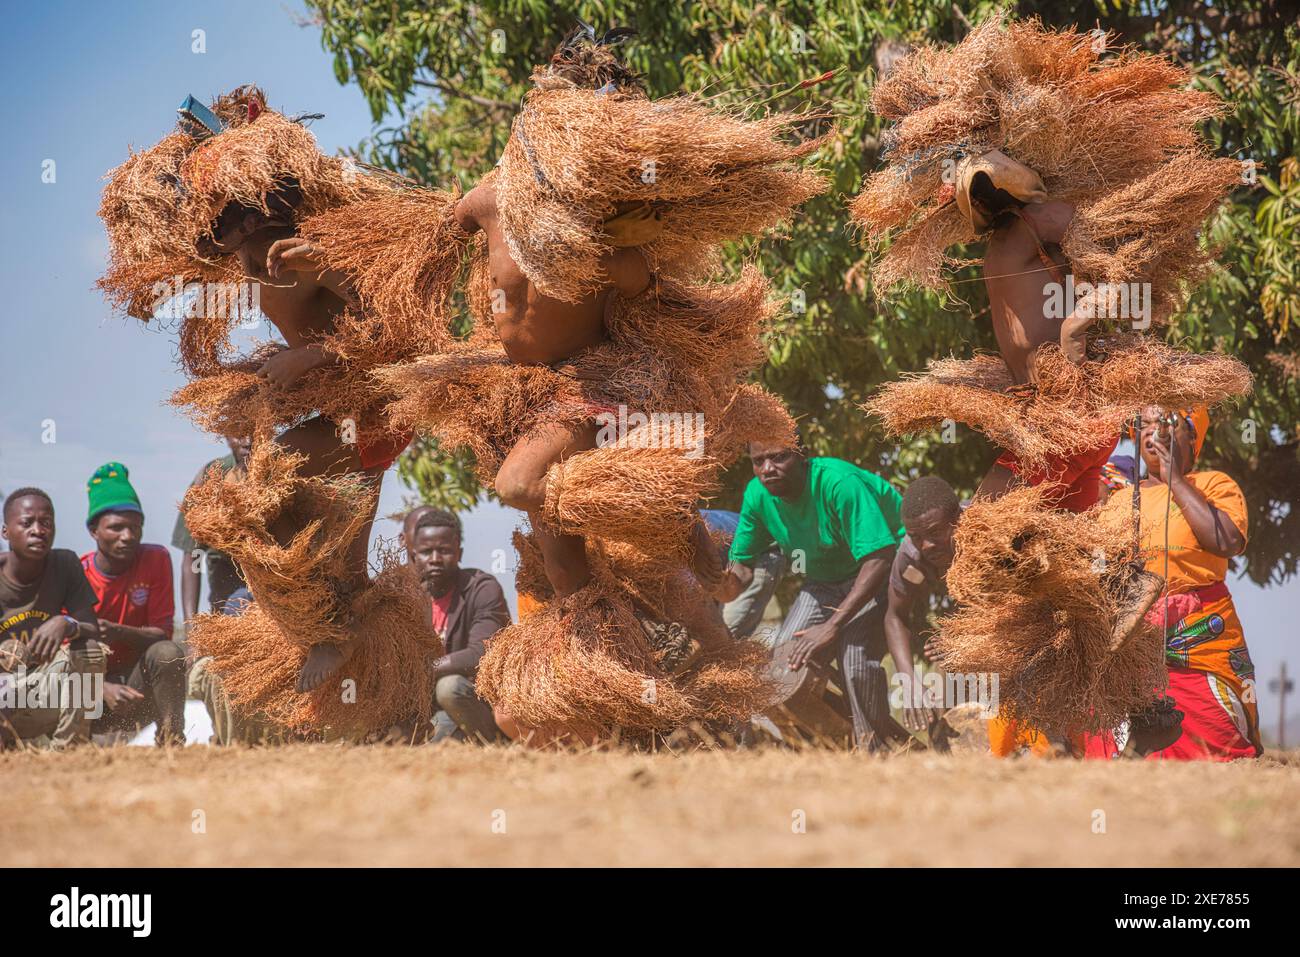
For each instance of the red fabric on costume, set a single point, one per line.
(140, 597)
(1215, 722)
(1097, 746)
(381, 449)
(1073, 481)
(574, 408)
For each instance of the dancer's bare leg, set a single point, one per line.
(327, 456)
(997, 482)
(707, 563)
(521, 484)
(538, 738)
(1141, 593)
(327, 657)
(317, 440)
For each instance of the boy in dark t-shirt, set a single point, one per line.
(52, 686)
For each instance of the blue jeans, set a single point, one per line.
(862, 677)
(239, 599)
(744, 612)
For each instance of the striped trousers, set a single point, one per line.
(860, 648)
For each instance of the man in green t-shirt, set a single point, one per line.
(839, 527)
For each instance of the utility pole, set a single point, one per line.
(1281, 685)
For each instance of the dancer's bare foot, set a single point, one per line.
(1142, 590)
(322, 661)
(538, 738)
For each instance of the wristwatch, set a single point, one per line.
(76, 627)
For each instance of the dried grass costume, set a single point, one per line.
(1039, 592)
(1114, 137)
(1040, 589)
(575, 158)
(392, 241)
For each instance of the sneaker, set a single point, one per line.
(674, 649)
(1154, 728)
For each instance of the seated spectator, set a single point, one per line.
(228, 725)
(409, 521)
(467, 608)
(145, 676)
(51, 685)
(227, 595)
(224, 577)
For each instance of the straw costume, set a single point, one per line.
(1040, 594)
(165, 210)
(593, 166)
(1017, 115)
(987, 135)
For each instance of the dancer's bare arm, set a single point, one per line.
(286, 367)
(997, 482)
(469, 210)
(1051, 221)
(1074, 330)
(304, 258)
(628, 271)
(734, 581)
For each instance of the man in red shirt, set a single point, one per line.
(145, 677)
(467, 608)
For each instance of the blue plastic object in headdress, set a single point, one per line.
(199, 121)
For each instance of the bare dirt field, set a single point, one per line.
(461, 805)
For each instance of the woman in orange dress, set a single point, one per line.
(1192, 523)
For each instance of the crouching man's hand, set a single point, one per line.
(813, 641)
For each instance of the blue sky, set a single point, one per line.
(85, 80)
(88, 80)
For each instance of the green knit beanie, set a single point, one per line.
(110, 491)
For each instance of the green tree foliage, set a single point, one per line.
(444, 81)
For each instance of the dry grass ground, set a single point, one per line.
(342, 805)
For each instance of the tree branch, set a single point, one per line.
(448, 90)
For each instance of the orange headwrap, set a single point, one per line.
(1199, 419)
